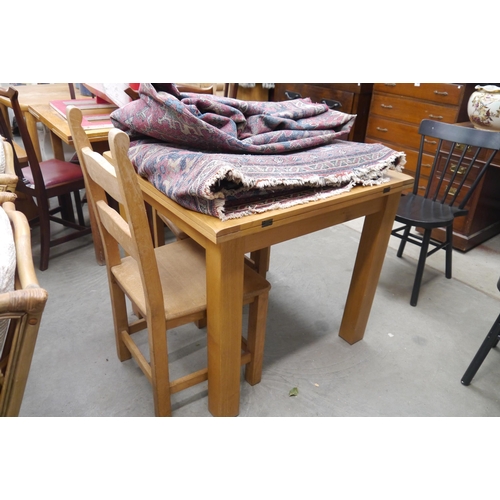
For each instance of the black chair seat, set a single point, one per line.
(423, 212)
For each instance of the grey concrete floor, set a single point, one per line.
(409, 363)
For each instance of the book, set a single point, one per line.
(95, 115)
(113, 93)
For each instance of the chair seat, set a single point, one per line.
(181, 263)
(55, 172)
(423, 212)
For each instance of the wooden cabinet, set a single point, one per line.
(350, 98)
(395, 114)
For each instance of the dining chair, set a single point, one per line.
(459, 158)
(22, 302)
(45, 181)
(489, 343)
(167, 284)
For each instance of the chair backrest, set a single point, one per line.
(22, 308)
(462, 156)
(12, 94)
(132, 232)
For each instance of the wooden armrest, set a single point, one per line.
(22, 241)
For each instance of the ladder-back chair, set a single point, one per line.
(166, 284)
(45, 181)
(461, 156)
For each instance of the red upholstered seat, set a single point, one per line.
(55, 172)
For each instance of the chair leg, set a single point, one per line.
(489, 342)
(404, 239)
(449, 251)
(256, 338)
(420, 267)
(44, 224)
(78, 205)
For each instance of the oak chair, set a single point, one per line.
(167, 284)
(21, 310)
(461, 156)
(45, 181)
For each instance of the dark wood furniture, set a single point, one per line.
(46, 181)
(395, 114)
(350, 98)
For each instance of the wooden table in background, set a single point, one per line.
(34, 95)
(60, 133)
(226, 244)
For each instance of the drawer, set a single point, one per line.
(316, 94)
(402, 134)
(443, 93)
(410, 110)
(411, 163)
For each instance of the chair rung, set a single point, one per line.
(137, 355)
(189, 380)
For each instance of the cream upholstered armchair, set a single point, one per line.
(22, 302)
(8, 178)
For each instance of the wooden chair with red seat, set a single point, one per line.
(45, 181)
(167, 283)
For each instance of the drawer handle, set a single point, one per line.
(437, 92)
(386, 106)
(435, 117)
(390, 84)
(380, 129)
(461, 170)
(460, 146)
(292, 95)
(332, 104)
(430, 142)
(452, 191)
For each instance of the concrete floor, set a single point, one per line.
(409, 363)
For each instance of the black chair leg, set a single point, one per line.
(489, 342)
(404, 239)
(420, 267)
(449, 251)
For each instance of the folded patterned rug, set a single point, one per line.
(230, 158)
(220, 124)
(233, 185)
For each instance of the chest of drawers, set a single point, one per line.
(350, 98)
(395, 114)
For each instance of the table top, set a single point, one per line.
(30, 95)
(59, 126)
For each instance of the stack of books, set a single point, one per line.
(95, 114)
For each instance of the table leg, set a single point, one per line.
(225, 315)
(57, 146)
(369, 260)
